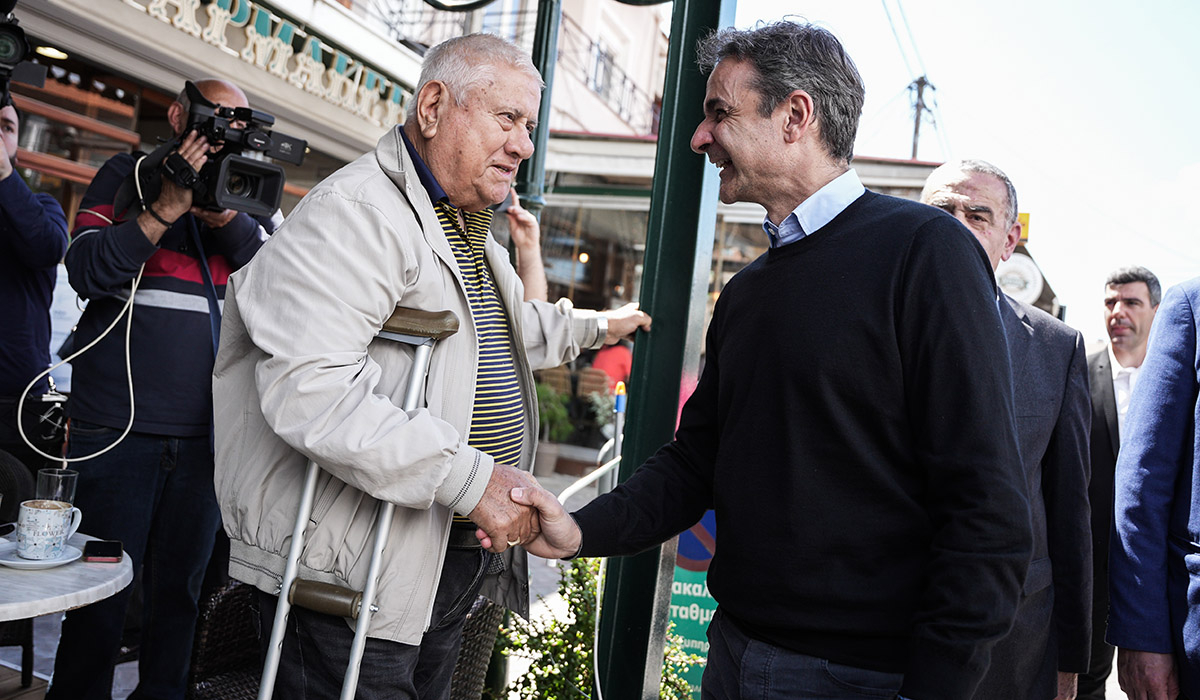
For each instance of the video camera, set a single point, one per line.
(227, 180)
(15, 52)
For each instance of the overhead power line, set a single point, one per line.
(899, 44)
(940, 127)
(911, 39)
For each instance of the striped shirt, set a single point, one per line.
(498, 415)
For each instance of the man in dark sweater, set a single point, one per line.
(33, 238)
(1048, 645)
(853, 427)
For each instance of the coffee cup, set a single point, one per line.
(43, 527)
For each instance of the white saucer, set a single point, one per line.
(10, 558)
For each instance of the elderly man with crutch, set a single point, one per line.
(304, 374)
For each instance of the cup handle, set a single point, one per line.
(76, 519)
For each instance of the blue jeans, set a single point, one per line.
(316, 647)
(741, 668)
(155, 494)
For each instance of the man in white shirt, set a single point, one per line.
(1131, 296)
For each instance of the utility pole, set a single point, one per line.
(919, 107)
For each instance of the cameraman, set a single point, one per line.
(33, 238)
(154, 490)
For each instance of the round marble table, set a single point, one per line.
(29, 593)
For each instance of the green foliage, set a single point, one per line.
(553, 414)
(676, 663)
(600, 406)
(560, 650)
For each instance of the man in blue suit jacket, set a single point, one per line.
(1154, 566)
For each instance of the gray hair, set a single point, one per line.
(466, 62)
(980, 167)
(1136, 273)
(789, 56)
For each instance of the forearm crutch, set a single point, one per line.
(420, 329)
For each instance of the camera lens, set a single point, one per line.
(237, 185)
(12, 48)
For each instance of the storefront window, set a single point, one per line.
(593, 256)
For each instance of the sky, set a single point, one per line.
(1089, 107)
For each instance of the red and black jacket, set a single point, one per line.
(171, 344)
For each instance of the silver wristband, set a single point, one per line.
(602, 322)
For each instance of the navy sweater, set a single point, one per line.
(33, 238)
(171, 339)
(853, 429)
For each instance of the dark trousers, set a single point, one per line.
(154, 494)
(741, 668)
(316, 647)
(1092, 683)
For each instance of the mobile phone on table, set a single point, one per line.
(102, 550)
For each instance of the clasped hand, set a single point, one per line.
(502, 522)
(516, 510)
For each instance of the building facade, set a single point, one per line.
(338, 73)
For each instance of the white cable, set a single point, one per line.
(596, 635)
(137, 182)
(128, 308)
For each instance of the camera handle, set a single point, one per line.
(144, 185)
(180, 171)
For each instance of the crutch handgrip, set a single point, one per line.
(325, 598)
(424, 324)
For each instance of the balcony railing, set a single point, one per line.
(594, 64)
(416, 25)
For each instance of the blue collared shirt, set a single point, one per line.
(428, 181)
(816, 211)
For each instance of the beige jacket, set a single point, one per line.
(300, 374)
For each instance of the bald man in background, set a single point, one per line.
(1049, 643)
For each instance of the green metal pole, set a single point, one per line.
(678, 259)
(531, 177)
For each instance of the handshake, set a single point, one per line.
(516, 510)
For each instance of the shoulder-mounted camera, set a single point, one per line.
(228, 180)
(15, 52)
